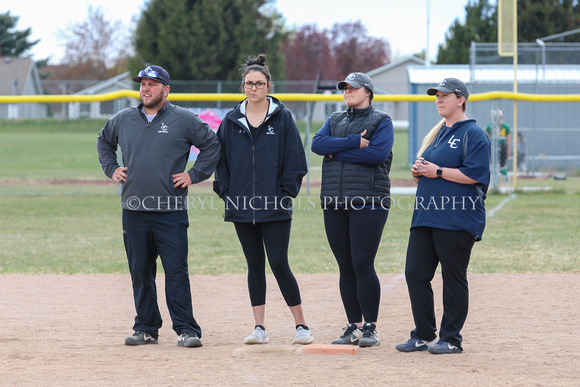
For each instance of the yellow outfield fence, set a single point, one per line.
(548, 125)
(297, 97)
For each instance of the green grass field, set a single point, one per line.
(47, 228)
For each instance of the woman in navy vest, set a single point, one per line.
(355, 198)
(452, 173)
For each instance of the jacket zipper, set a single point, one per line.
(253, 179)
(254, 165)
(439, 137)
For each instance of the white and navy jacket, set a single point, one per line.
(258, 177)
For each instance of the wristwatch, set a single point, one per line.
(439, 171)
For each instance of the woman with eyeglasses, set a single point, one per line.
(355, 198)
(258, 176)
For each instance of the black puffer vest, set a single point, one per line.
(354, 185)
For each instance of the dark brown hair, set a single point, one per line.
(255, 64)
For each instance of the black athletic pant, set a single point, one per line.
(503, 151)
(427, 248)
(275, 237)
(148, 235)
(354, 237)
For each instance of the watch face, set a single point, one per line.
(439, 171)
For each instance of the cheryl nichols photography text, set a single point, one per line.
(302, 203)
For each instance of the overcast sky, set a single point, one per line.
(403, 23)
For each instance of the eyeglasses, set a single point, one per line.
(259, 85)
(148, 73)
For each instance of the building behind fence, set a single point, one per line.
(551, 129)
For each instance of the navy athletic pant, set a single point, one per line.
(275, 237)
(427, 248)
(164, 234)
(354, 237)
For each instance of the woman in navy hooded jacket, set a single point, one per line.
(259, 174)
(452, 172)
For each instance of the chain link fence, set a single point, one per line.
(548, 132)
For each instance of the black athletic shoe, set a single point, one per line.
(189, 339)
(351, 335)
(140, 338)
(370, 336)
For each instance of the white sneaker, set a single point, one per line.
(303, 336)
(259, 336)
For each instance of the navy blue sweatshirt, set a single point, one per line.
(441, 203)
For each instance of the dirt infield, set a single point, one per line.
(522, 330)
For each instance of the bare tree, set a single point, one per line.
(96, 48)
(307, 53)
(345, 48)
(354, 50)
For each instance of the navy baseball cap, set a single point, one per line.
(154, 72)
(450, 85)
(357, 80)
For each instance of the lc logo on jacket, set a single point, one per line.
(453, 142)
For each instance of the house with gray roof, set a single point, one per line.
(19, 76)
(393, 78)
(104, 109)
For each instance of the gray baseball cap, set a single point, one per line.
(450, 85)
(357, 80)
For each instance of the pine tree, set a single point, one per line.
(208, 39)
(13, 43)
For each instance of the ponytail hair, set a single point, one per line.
(430, 137)
(257, 63)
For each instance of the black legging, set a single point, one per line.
(275, 236)
(427, 248)
(354, 237)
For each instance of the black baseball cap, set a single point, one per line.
(154, 72)
(357, 80)
(450, 85)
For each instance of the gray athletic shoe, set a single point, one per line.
(189, 339)
(351, 335)
(370, 336)
(140, 338)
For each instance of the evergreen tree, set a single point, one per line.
(208, 39)
(13, 43)
(480, 26)
(541, 18)
(536, 19)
